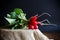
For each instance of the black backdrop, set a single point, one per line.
(32, 7)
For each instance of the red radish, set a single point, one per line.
(31, 27)
(34, 22)
(34, 18)
(36, 27)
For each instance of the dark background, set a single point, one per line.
(32, 7)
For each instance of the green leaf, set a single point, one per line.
(14, 26)
(21, 22)
(8, 15)
(13, 15)
(18, 11)
(22, 16)
(11, 21)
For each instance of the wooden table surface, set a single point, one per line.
(55, 35)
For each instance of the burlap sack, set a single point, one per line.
(19, 34)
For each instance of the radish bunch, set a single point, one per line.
(17, 20)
